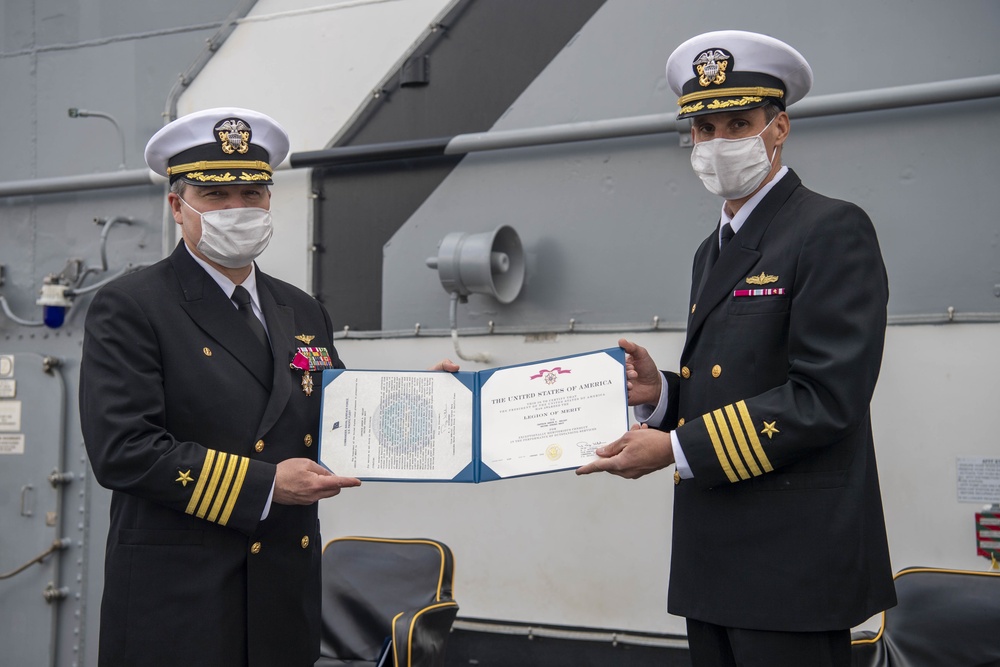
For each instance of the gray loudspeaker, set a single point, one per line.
(487, 263)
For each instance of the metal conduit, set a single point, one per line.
(654, 324)
(871, 100)
(114, 179)
(956, 90)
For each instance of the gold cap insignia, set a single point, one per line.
(234, 136)
(762, 279)
(711, 66)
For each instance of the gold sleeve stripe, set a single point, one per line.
(202, 479)
(717, 443)
(234, 493)
(752, 434)
(742, 441)
(213, 484)
(727, 437)
(221, 495)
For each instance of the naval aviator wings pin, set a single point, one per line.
(309, 359)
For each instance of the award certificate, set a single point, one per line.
(504, 422)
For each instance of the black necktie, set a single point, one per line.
(727, 235)
(242, 298)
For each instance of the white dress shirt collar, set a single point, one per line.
(741, 215)
(227, 285)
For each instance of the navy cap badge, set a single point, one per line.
(711, 66)
(234, 136)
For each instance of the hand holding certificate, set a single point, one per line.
(473, 426)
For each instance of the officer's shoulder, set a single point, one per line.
(139, 281)
(816, 200)
(819, 215)
(285, 292)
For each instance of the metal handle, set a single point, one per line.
(25, 492)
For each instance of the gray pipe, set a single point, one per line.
(114, 179)
(825, 105)
(956, 90)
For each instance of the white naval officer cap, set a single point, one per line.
(725, 70)
(221, 146)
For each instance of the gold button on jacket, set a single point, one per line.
(259, 446)
(255, 548)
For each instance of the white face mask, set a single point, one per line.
(732, 168)
(233, 237)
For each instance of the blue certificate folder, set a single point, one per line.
(473, 426)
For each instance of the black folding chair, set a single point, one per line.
(944, 618)
(386, 602)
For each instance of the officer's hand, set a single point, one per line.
(303, 482)
(642, 377)
(446, 365)
(640, 451)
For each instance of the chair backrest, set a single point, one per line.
(943, 617)
(370, 582)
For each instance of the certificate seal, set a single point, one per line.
(553, 452)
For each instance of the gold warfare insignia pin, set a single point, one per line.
(711, 66)
(234, 136)
(762, 279)
(305, 338)
(769, 429)
(184, 478)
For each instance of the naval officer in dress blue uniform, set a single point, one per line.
(198, 411)
(779, 543)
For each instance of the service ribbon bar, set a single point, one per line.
(767, 291)
(312, 359)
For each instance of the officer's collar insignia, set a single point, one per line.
(762, 279)
(305, 338)
(711, 66)
(233, 136)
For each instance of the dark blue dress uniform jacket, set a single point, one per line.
(781, 527)
(186, 427)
